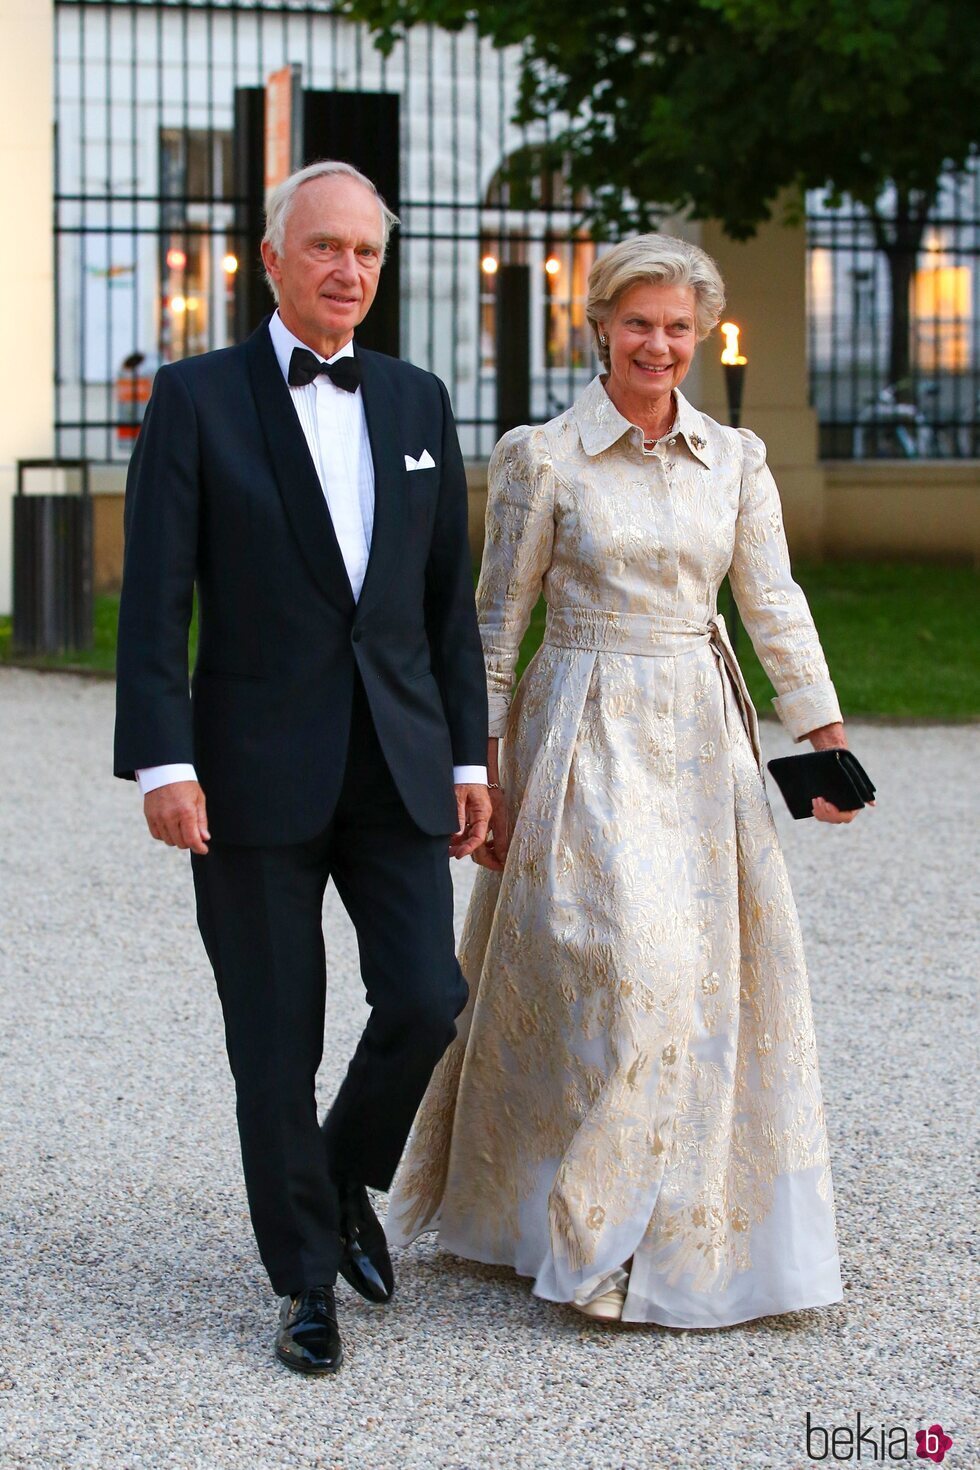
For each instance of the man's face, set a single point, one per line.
(327, 271)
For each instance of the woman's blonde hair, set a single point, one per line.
(655, 260)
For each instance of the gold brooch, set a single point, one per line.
(698, 442)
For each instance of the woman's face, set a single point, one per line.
(652, 339)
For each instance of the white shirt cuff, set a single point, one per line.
(469, 775)
(155, 776)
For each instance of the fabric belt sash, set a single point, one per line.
(595, 630)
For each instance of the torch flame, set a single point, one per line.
(731, 354)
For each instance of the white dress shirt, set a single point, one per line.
(335, 429)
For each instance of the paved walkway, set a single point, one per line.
(137, 1323)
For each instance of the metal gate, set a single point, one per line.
(152, 254)
(878, 396)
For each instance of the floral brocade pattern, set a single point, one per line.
(635, 1075)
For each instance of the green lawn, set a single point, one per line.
(900, 640)
(102, 655)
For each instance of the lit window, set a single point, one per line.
(942, 309)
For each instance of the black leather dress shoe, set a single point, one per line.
(364, 1262)
(308, 1340)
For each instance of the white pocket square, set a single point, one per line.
(424, 461)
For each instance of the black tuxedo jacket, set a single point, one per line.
(222, 494)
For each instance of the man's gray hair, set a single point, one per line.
(279, 201)
(654, 260)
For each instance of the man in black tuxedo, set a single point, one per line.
(315, 495)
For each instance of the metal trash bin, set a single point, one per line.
(53, 611)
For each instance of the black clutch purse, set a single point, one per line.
(836, 775)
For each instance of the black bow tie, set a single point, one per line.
(305, 367)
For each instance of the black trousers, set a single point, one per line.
(260, 915)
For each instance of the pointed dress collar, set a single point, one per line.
(601, 425)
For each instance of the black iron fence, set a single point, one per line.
(159, 137)
(159, 134)
(894, 328)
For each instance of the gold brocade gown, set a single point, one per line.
(635, 1074)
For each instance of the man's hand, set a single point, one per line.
(473, 812)
(177, 815)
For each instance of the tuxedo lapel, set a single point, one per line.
(377, 388)
(299, 483)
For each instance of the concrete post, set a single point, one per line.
(26, 251)
(766, 287)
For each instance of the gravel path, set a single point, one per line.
(138, 1323)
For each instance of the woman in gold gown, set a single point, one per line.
(631, 1114)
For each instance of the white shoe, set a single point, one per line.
(605, 1308)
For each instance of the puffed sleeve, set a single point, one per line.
(516, 556)
(772, 605)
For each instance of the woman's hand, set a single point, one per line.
(830, 737)
(825, 811)
(492, 852)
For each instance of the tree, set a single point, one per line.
(716, 107)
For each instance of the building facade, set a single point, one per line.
(149, 253)
(151, 192)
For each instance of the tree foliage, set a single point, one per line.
(717, 106)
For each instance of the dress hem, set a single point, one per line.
(665, 1318)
